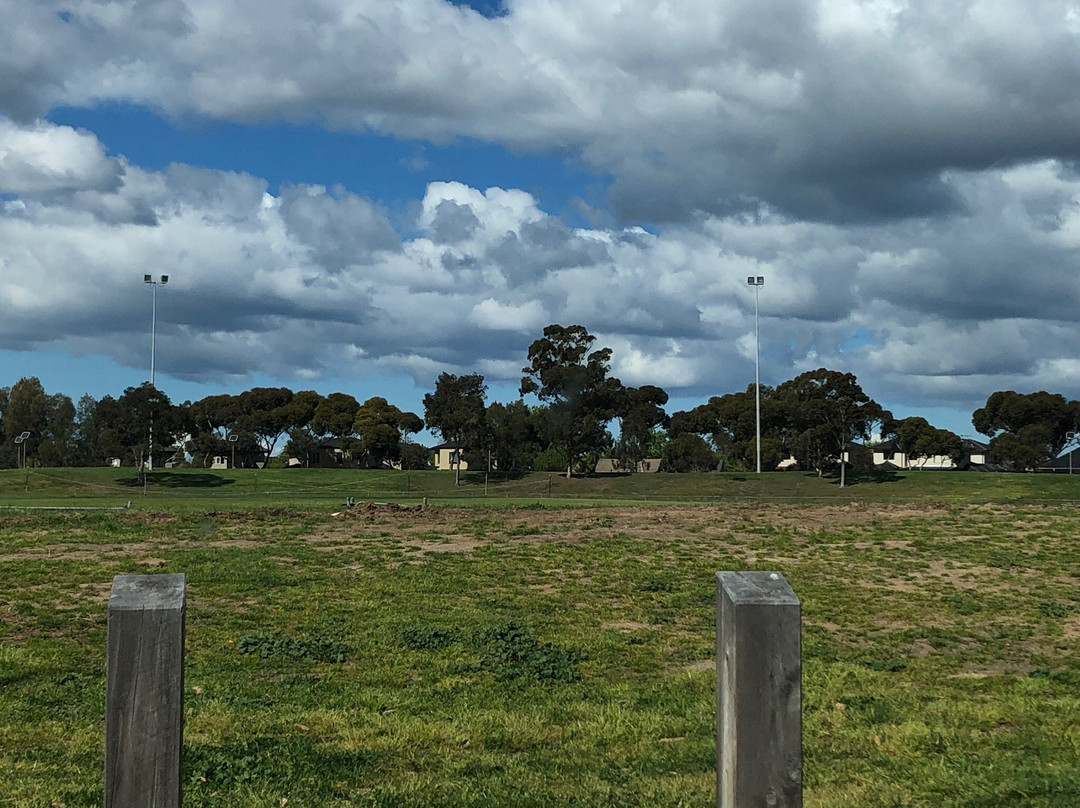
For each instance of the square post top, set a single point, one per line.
(148, 592)
(764, 588)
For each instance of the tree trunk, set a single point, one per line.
(842, 468)
(457, 471)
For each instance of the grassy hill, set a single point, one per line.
(329, 488)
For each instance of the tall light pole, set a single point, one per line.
(153, 350)
(757, 282)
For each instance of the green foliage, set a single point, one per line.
(456, 412)
(317, 648)
(510, 651)
(415, 457)
(916, 438)
(429, 638)
(826, 410)
(513, 435)
(581, 398)
(1026, 429)
(551, 459)
(335, 415)
(688, 452)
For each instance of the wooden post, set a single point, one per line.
(758, 692)
(144, 691)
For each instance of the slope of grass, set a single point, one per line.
(329, 488)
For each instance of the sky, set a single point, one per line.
(357, 195)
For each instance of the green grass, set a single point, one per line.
(554, 657)
(329, 488)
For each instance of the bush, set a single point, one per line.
(415, 457)
(551, 459)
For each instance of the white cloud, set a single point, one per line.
(310, 282)
(528, 317)
(41, 158)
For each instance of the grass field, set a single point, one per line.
(551, 655)
(328, 488)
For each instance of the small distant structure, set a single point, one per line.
(448, 455)
(887, 457)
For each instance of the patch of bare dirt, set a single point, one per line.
(624, 625)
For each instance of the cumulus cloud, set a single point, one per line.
(308, 281)
(40, 159)
(828, 110)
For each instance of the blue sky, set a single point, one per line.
(359, 196)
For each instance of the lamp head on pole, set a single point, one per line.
(751, 280)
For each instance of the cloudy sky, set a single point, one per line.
(358, 194)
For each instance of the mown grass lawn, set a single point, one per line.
(202, 489)
(554, 657)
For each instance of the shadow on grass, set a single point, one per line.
(170, 479)
(494, 477)
(852, 477)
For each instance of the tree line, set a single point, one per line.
(580, 407)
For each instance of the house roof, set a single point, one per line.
(1062, 461)
(450, 444)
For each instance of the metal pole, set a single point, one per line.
(153, 331)
(757, 377)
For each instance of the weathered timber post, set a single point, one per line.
(758, 692)
(144, 691)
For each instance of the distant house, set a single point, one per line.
(787, 463)
(1066, 463)
(888, 457)
(447, 456)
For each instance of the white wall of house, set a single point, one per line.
(445, 460)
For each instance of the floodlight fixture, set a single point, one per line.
(21, 452)
(233, 438)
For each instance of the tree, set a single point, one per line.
(827, 410)
(688, 451)
(917, 439)
(335, 415)
(1026, 430)
(50, 420)
(382, 428)
(302, 444)
(415, 457)
(57, 445)
(26, 410)
(268, 413)
(126, 423)
(575, 385)
(211, 421)
(456, 411)
(513, 435)
(730, 422)
(641, 411)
